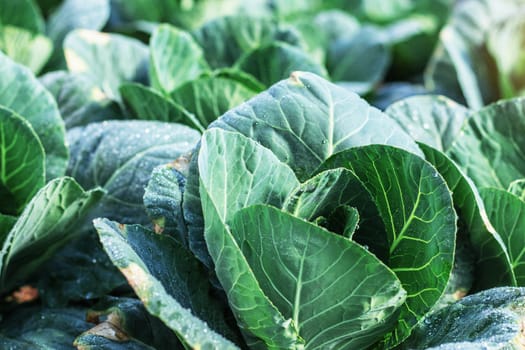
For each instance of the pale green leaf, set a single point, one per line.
(419, 220)
(433, 120)
(44, 226)
(30, 49)
(175, 58)
(148, 104)
(25, 95)
(506, 213)
(490, 146)
(109, 59)
(492, 261)
(236, 172)
(275, 62)
(21, 162)
(79, 99)
(337, 294)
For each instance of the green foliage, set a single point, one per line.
(230, 184)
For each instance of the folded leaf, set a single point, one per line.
(175, 58)
(489, 148)
(119, 156)
(169, 281)
(236, 172)
(274, 62)
(491, 319)
(163, 202)
(148, 104)
(337, 294)
(433, 120)
(19, 86)
(45, 225)
(70, 15)
(415, 206)
(101, 56)
(21, 162)
(80, 101)
(506, 213)
(493, 265)
(27, 48)
(305, 119)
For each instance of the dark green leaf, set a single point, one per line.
(175, 58)
(148, 104)
(79, 99)
(169, 280)
(211, 96)
(21, 162)
(277, 61)
(305, 119)
(415, 205)
(225, 39)
(490, 147)
(109, 59)
(360, 61)
(6, 223)
(79, 271)
(119, 156)
(236, 172)
(187, 15)
(493, 266)
(35, 328)
(163, 202)
(134, 327)
(19, 87)
(337, 294)
(506, 213)
(44, 226)
(433, 120)
(492, 319)
(70, 15)
(23, 14)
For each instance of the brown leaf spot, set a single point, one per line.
(459, 294)
(181, 164)
(24, 294)
(138, 279)
(519, 340)
(295, 78)
(109, 330)
(158, 227)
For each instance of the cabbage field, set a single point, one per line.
(264, 174)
